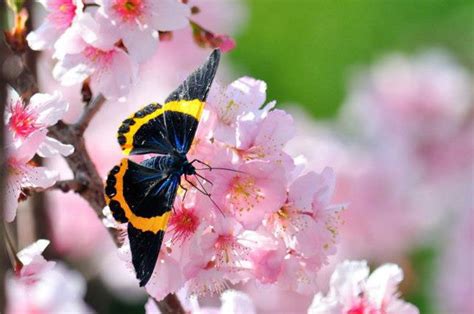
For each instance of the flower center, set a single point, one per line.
(183, 223)
(244, 193)
(99, 56)
(22, 121)
(128, 10)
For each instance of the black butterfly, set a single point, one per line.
(143, 194)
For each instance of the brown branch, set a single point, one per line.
(171, 305)
(89, 112)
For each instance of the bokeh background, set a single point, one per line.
(319, 59)
(309, 51)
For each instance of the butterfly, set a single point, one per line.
(142, 195)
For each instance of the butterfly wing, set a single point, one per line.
(143, 195)
(164, 129)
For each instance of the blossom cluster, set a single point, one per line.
(41, 286)
(103, 43)
(262, 217)
(26, 135)
(354, 291)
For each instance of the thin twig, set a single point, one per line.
(62, 185)
(89, 112)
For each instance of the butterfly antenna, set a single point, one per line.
(185, 192)
(205, 192)
(202, 177)
(220, 168)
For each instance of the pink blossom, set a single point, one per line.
(33, 262)
(456, 275)
(251, 194)
(138, 22)
(44, 287)
(307, 222)
(354, 291)
(42, 111)
(88, 50)
(61, 14)
(420, 104)
(242, 96)
(21, 173)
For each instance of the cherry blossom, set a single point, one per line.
(42, 111)
(88, 50)
(354, 291)
(138, 22)
(21, 173)
(41, 286)
(242, 96)
(61, 14)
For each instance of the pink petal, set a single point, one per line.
(169, 15)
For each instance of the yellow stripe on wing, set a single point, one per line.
(191, 107)
(153, 224)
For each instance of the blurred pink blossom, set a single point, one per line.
(44, 287)
(422, 105)
(354, 291)
(456, 279)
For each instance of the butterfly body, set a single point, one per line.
(142, 195)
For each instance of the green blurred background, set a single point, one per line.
(306, 50)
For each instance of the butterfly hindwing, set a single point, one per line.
(141, 195)
(145, 247)
(162, 129)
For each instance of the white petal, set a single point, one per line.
(50, 108)
(347, 279)
(324, 305)
(25, 151)
(382, 284)
(52, 147)
(70, 42)
(169, 15)
(72, 70)
(151, 307)
(116, 80)
(13, 189)
(39, 177)
(141, 44)
(236, 302)
(30, 252)
(44, 37)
